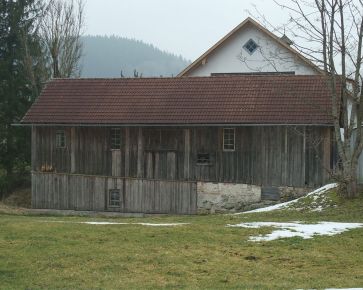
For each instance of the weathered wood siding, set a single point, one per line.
(265, 155)
(80, 192)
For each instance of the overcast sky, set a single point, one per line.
(185, 27)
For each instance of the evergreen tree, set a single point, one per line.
(21, 75)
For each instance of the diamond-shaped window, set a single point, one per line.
(250, 46)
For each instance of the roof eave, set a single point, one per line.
(29, 124)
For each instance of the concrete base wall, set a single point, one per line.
(221, 197)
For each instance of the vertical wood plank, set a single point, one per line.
(149, 165)
(186, 154)
(303, 160)
(34, 146)
(326, 154)
(157, 166)
(116, 162)
(170, 165)
(127, 151)
(73, 150)
(140, 154)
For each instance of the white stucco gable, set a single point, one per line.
(230, 56)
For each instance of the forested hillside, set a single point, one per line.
(105, 56)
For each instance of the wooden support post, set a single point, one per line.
(186, 154)
(73, 150)
(127, 152)
(140, 154)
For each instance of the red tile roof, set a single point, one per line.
(195, 100)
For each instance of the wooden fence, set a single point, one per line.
(86, 192)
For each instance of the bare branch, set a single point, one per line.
(61, 30)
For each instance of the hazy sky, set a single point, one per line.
(186, 27)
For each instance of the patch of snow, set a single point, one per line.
(297, 229)
(319, 208)
(162, 225)
(102, 223)
(344, 289)
(316, 192)
(115, 223)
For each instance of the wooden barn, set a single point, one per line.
(167, 145)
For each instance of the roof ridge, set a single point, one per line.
(282, 76)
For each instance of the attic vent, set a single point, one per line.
(203, 159)
(250, 46)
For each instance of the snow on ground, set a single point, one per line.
(344, 289)
(115, 223)
(298, 229)
(162, 225)
(316, 193)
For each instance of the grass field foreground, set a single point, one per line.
(38, 252)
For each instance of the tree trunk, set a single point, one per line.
(348, 185)
(55, 68)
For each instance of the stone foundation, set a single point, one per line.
(235, 197)
(223, 197)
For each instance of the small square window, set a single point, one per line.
(114, 197)
(250, 46)
(203, 159)
(229, 139)
(60, 139)
(115, 138)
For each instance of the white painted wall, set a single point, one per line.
(231, 57)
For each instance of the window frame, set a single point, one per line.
(60, 139)
(224, 140)
(113, 138)
(247, 44)
(114, 202)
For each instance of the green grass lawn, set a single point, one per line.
(37, 254)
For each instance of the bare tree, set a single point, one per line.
(61, 28)
(330, 33)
